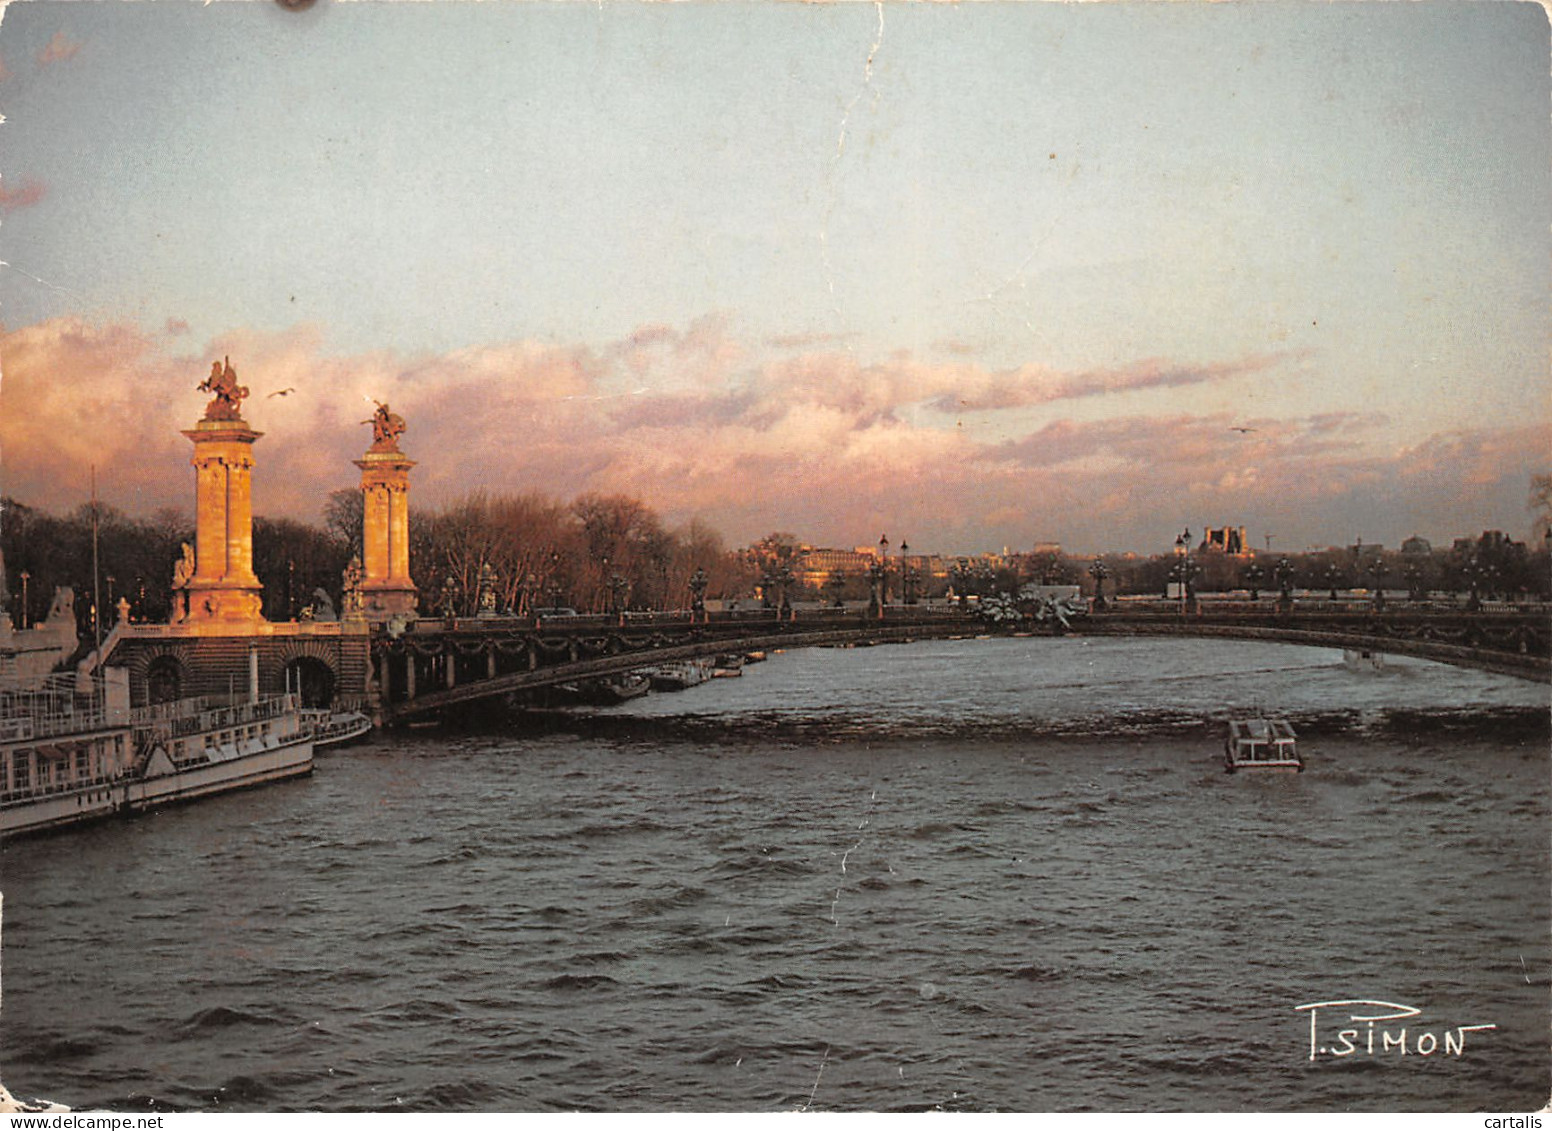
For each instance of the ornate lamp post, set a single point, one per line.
(784, 578)
(1333, 578)
(907, 575)
(836, 584)
(1099, 571)
(1282, 573)
(449, 599)
(1376, 571)
(487, 590)
(25, 576)
(698, 582)
(883, 561)
(961, 577)
(1254, 575)
(1183, 567)
(554, 586)
(619, 587)
(876, 580)
(1471, 574)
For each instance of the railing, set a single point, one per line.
(197, 716)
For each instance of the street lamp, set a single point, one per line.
(1099, 572)
(1254, 575)
(25, 576)
(961, 576)
(1282, 573)
(698, 581)
(883, 563)
(1376, 571)
(907, 576)
(1183, 564)
(1333, 578)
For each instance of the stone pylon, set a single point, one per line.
(386, 588)
(223, 586)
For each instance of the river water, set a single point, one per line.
(964, 875)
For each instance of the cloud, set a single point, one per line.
(58, 49)
(30, 192)
(176, 327)
(830, 446)
(1037, 384)
(806, 341)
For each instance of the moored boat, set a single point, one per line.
(66, 758)
(677, 677)
(1261, 744)
(336, 728)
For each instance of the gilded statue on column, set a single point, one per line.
(387, 427)
(229, 394)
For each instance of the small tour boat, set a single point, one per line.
(1261, 744)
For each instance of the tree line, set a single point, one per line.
(597, 553)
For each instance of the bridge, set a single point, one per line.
(440, 664)
(379, 656)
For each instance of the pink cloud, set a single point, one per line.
(1038, 384)
(822, 444)
(29, 193)
(58, 49)
(176, 327)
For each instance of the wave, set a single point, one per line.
(741, 729)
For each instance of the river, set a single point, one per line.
(988, 875)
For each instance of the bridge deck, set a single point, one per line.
(440, 663)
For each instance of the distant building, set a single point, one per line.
(1226, 540)
(814, 567)
(1415, 546)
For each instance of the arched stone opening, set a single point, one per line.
(312, 679)
(164, 680)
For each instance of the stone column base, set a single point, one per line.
(225, 605)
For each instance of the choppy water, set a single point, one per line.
(973, 875)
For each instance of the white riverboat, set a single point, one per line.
(66, 758)
(1261, 744)
(335, 728)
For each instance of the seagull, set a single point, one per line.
(282, 392)
(1239, 428)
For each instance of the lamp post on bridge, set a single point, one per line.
(1253, 576)
(1376, 571)
(698, 582)
(619, 588)
(1183, 568)
(1099, 571)
(961, 577)
(25, 576)
(1333, 578)
(1282, 573)
(876, 588)
(883, 563)
(907, 576)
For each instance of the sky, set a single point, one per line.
(969, 275)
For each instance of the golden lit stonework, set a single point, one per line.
(221, 587)
(386, 588)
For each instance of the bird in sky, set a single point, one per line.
(1241, 428)
(282, 392)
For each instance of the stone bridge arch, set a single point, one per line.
(160, 674)
(309, 668)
